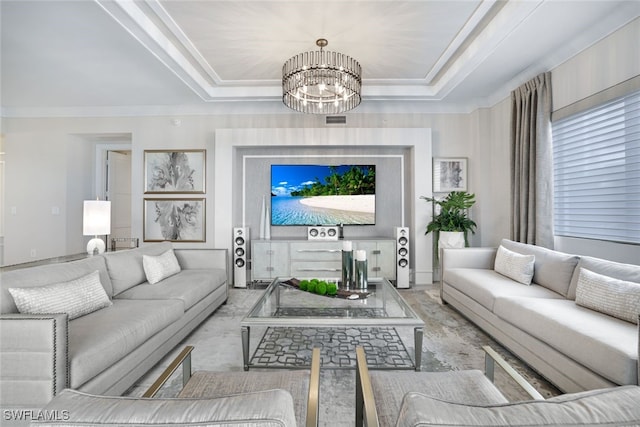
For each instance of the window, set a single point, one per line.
(597, 172)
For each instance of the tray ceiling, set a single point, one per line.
(168, 55)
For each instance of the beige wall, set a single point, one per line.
(50, 161)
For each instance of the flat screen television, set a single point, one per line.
(323, 195)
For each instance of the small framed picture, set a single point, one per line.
(175, 220)
(449, 174)
(174, 171)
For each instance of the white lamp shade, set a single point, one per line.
(96, 218)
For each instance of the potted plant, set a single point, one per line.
(452, 218)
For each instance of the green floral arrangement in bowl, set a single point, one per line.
(320, 287)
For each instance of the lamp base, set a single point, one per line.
(95, 246)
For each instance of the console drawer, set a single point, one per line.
(306, 269)
(318, 251)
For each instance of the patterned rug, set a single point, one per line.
(291, 347)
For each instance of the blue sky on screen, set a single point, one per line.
(288, 178)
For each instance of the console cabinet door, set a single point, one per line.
(280, 259)
(381, 257)
(386, 259)
(269, 260)
(260, 260)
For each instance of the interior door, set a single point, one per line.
(119, 192)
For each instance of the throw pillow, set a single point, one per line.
(514, 265)
(160, 267)
(617, 298)
(77, 297)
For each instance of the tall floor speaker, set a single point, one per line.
(240, 243)
(402, 257)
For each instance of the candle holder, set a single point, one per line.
(361, 270)
(347, 264)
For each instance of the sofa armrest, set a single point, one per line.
(366, 412)
(201, 258)
(33, 358)
(491, 358)
(183, 359)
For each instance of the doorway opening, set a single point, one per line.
(118, 191)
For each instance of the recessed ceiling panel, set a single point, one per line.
(250, 40)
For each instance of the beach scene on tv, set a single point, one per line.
(323, 195)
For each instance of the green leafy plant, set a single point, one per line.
(453, 215)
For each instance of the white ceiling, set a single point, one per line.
(85, 57)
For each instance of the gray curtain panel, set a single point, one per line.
(532, 163)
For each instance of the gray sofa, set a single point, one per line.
(575, 347)
(107, 350)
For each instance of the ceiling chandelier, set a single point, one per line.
(320, 82)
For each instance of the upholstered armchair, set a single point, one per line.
(469, 398)
(279, 397)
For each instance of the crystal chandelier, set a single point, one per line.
(321, 82)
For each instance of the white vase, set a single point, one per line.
(267, 224)
(451, 239)
(263, 211)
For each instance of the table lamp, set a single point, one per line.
(96, 220)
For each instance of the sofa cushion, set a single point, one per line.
(189, 286)
(607, 295)
(615, 406)
(470, 386)
(219, 384)
(160, 267)
(617, 270)
(552, 269)
(75, 298)
(49, 274)
(584, 335)
(125, 267)
(484, 286)
(267, 408)
(514, 265)
(99, 339)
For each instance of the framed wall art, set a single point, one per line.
(449, 174)
(176, 220)
(174, 171)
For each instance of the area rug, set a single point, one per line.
(450, 342)
(291, 348)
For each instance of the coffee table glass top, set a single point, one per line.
(285, 305)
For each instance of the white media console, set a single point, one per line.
(318, 259)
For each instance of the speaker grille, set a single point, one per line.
(402, 250)
(240, 238)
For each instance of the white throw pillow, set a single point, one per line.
(77, 297)
(514, 265)
(160, 267)
(617, 298)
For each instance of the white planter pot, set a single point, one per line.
(451, 239)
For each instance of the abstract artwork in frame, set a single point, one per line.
(449, 174)
(175, 220)
(174, 171)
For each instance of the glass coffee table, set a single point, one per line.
(378, 308)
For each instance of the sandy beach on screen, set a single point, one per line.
(357, 203)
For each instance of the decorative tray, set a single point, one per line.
(340, 293)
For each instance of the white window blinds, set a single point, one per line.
(597, 172)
